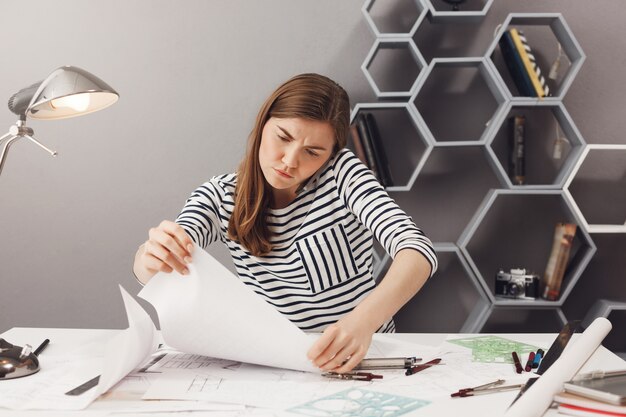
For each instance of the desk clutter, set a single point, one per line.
(257, 360)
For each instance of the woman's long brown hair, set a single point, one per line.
(305, 96)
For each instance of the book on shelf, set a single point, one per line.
(517, 169)
(373, 148)
(515, 65)
(357, 144)
(557, 263)
(366, 143)
(379, 150)
(521, 63)
(576, 405)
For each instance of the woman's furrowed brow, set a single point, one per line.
(290, 136)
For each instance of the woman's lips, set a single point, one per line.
(282, 173)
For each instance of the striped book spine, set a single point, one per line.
(534, 72)
(516, 67)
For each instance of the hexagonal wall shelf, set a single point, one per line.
(615, 312)
(468, 11)
(600, 175)
(381, 67)
(394, 18)
(405, 147)
(465, 92)
(515, 319)
(548, 127)
(515, 229)
(550, 40)
(442, 214)
(454, 283)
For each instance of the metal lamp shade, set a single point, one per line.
(68, 92)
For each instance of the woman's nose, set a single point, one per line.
(290, 157)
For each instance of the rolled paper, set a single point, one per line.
(538, 397)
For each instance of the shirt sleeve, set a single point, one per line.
(367, 199)
(200, 215)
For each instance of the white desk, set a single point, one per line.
(479, 406)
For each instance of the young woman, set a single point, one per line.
(299, 217)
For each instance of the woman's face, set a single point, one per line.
(291, 151)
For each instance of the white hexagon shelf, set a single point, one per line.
(405, 147)
(468, 11)
(609, 309)
(394, 18)
(461, 82)
(562, 46)
(548, 125)
(471, 303)
(605, 182)
(383, 61)
(516, 319)
(507, 224)
(445, 214)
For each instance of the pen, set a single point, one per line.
(518, 365)
(41, 347)
(598, 374)
(355, 376)
(478, 388)
(489, 390)
(387, 363)
(421, 367)
(537, 359)
(529, 362)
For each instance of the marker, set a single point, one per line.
(529, 362)
(537, 359)
(518, 365)
(41, 347)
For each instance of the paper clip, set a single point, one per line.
(354, 376)
(421, 367)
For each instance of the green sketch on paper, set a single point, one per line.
(357, 402)
(493, 348)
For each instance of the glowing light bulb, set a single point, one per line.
(78, 102)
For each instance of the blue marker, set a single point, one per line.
(537, 359)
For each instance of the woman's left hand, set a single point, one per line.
(342, 345)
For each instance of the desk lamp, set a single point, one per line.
(67, 92)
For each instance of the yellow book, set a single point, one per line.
(528, 64)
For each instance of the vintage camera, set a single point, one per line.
(517, 284)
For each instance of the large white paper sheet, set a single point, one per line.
(539, 396)
(112, 360)
(129, 348)
(211, 312)
(188, 377)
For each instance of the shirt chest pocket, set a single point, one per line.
(327, 258)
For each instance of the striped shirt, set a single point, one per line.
(320, 265)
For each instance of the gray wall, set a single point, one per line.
(191, 76)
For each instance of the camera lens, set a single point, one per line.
(514, 289)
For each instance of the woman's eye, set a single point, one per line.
(284, 139)
(312, 153)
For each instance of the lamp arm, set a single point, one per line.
(19, 130)
(5, 147)
(50, 151)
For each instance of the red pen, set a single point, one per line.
(529, 362)
(518, 365)
(411, 371)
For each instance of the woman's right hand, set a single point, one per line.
(168, 248)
